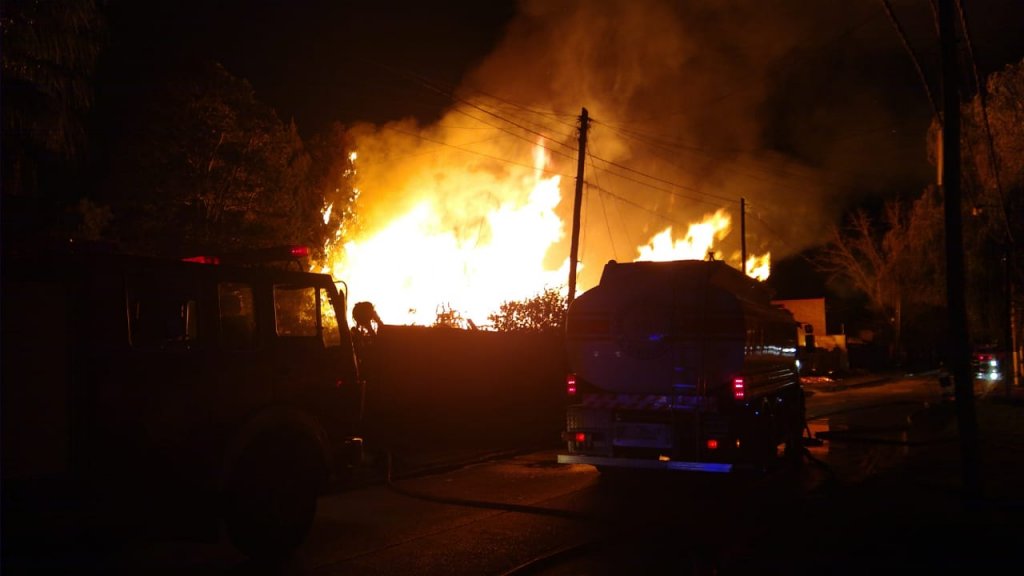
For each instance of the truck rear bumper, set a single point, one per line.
(646, 464)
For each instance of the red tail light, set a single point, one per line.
(712, 444)
(299, 251)
(202, 259)
(739, 390)
(570, 384)
(581, 437)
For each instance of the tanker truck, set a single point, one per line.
(683, 366)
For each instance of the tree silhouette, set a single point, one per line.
(993, 150)
(206, 166)
(50, 51)
(544, 312)
(49, 59)
(896, 261)
(333, 173)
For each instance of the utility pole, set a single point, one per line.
(1010, 377)
(743, 234)
(959, 346)
(577, 202)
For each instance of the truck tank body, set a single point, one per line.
(676, 354)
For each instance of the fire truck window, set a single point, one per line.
(237, 316)
(295, 310)
(329, 320)
(162, 308)
(160, 320)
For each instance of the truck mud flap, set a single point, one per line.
(645, 464)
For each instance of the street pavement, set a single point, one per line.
(928, 512)
(935, 511)
(996, 406)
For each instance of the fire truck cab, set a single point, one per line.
(173, 398)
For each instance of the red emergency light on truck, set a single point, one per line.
(681, 365)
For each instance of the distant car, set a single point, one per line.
(987, 364)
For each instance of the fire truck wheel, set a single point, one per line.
(794, 447)
(794, 437)
(271, 493)
(758, 438)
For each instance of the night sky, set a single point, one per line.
(324, 60)
(319, 61)
(806, 108)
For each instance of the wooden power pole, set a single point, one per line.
(959, 345)
(743, 234)
(574, 249)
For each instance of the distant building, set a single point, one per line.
(820, 352)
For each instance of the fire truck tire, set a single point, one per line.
(768, 455)
(795, 423)
(793, 451)
(271, 494)
(758, 434)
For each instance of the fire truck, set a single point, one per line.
(173, 398)
(683, 366)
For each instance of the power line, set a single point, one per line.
(655, 179)
(426, 83)
(771, 230)
(620, 170)
(913, 57)
(555, 115)
(661, 180)
(771, 173)
(604, 210)
(991, 148)
(432, 86)
(450, 95)
(535, 132)
(654, 139)
(545, 137)
(639, 206)
(467, 150)
(739, 89)
(519, 136)
(660, 189)
(512, 162)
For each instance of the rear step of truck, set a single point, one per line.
(646, 464)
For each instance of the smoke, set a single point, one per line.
(693, 106)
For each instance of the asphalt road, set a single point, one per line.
(525, 513)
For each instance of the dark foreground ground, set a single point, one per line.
(904, 516)
(920, 517)
(907, 515)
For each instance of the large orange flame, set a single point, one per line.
(699, 242)
(417, 266)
